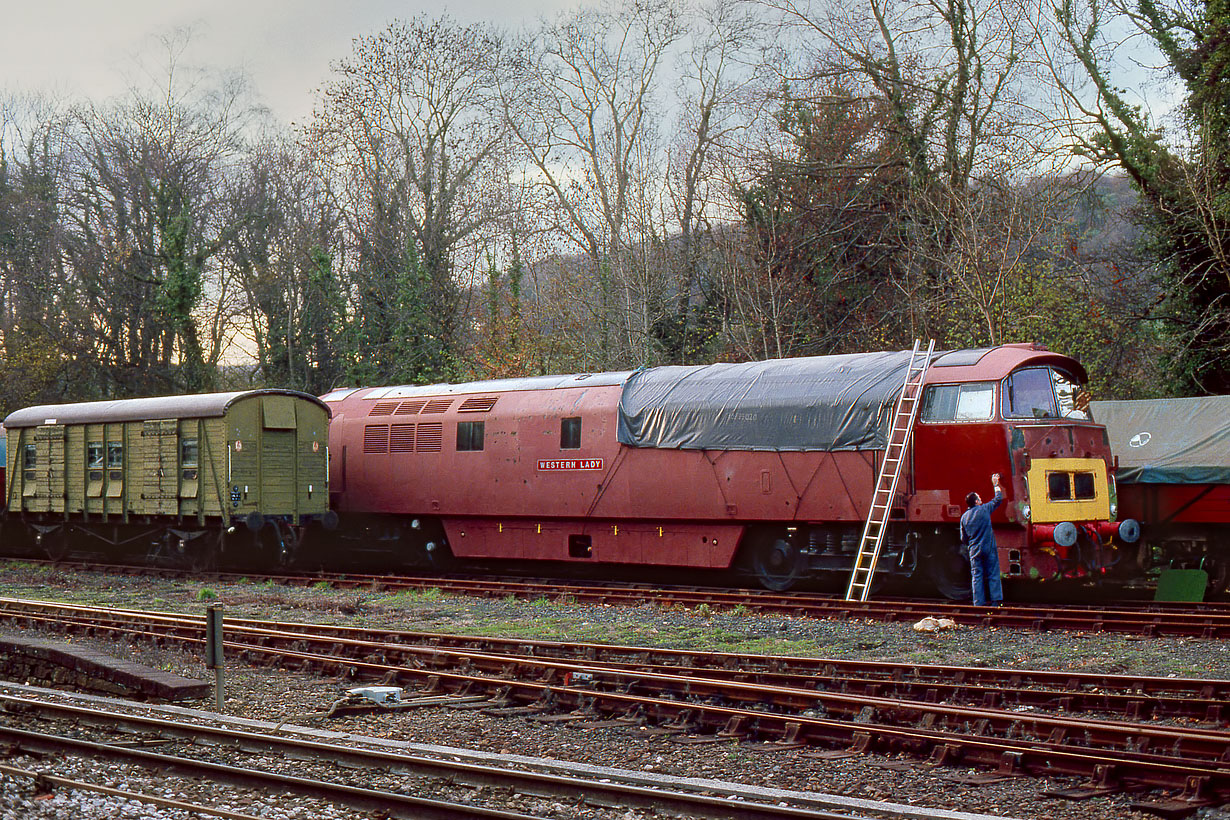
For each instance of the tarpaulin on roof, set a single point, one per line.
(816, 403)
(1169, 441)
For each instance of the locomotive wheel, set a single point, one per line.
(776, 561)
(948, 569)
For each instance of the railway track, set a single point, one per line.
(196, 738)
(1131, 697)
(1014, 721)
(1146, 619)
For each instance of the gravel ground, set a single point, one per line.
(282, 695)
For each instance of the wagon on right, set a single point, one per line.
(1174, 477)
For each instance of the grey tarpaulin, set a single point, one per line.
(1169, 441)
(816, 403)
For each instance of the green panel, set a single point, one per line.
(12, 487)
(243, 431)
(113, 479)
(1181, 585)
(214, 495)
(153, 468)
(94, 472)
(50, 477)
(279, 412)
(75, 470)
(278, 472)
(313, 476)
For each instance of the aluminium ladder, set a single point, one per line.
(890, 472)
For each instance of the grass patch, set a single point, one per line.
(410, 597)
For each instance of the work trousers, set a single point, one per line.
(984, 576)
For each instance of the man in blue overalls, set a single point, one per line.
(978, 535)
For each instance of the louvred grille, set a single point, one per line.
(375, 439)
(437, 405)
(401, 438)
(409, 408)
(383, 408)
(429, 437)
(477, 404)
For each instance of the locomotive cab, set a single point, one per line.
(1031, 406)
(1062, 462)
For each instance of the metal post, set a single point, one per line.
(213, 650)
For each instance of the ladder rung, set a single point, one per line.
(904, 416)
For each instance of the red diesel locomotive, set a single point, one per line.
(764, 468)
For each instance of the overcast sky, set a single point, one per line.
(87, 49)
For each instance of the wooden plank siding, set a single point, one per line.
(266, 453)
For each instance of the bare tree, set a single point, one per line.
(149, 175)
(411, 126)
(582, 107)
(36, 289)
(283, 256)
(718, 97)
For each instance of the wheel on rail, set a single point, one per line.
(53, 541)
(775, 560)
(200, 554)
(440, 556)
(947, 569)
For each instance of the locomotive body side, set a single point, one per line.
(550, 480)
(168, 477)
(556, 469)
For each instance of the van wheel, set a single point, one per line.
(54, 543)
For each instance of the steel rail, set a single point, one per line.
(1129, 754)
(1123, 748)
(140, 797)
(1199, 745)
(1132, 696)
(1132, 760)
(400, 805)
(608, 793)
(1210, 621)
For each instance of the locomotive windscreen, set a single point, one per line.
(816, 403)
(1169, 441)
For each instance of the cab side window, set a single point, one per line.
(974, 401)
